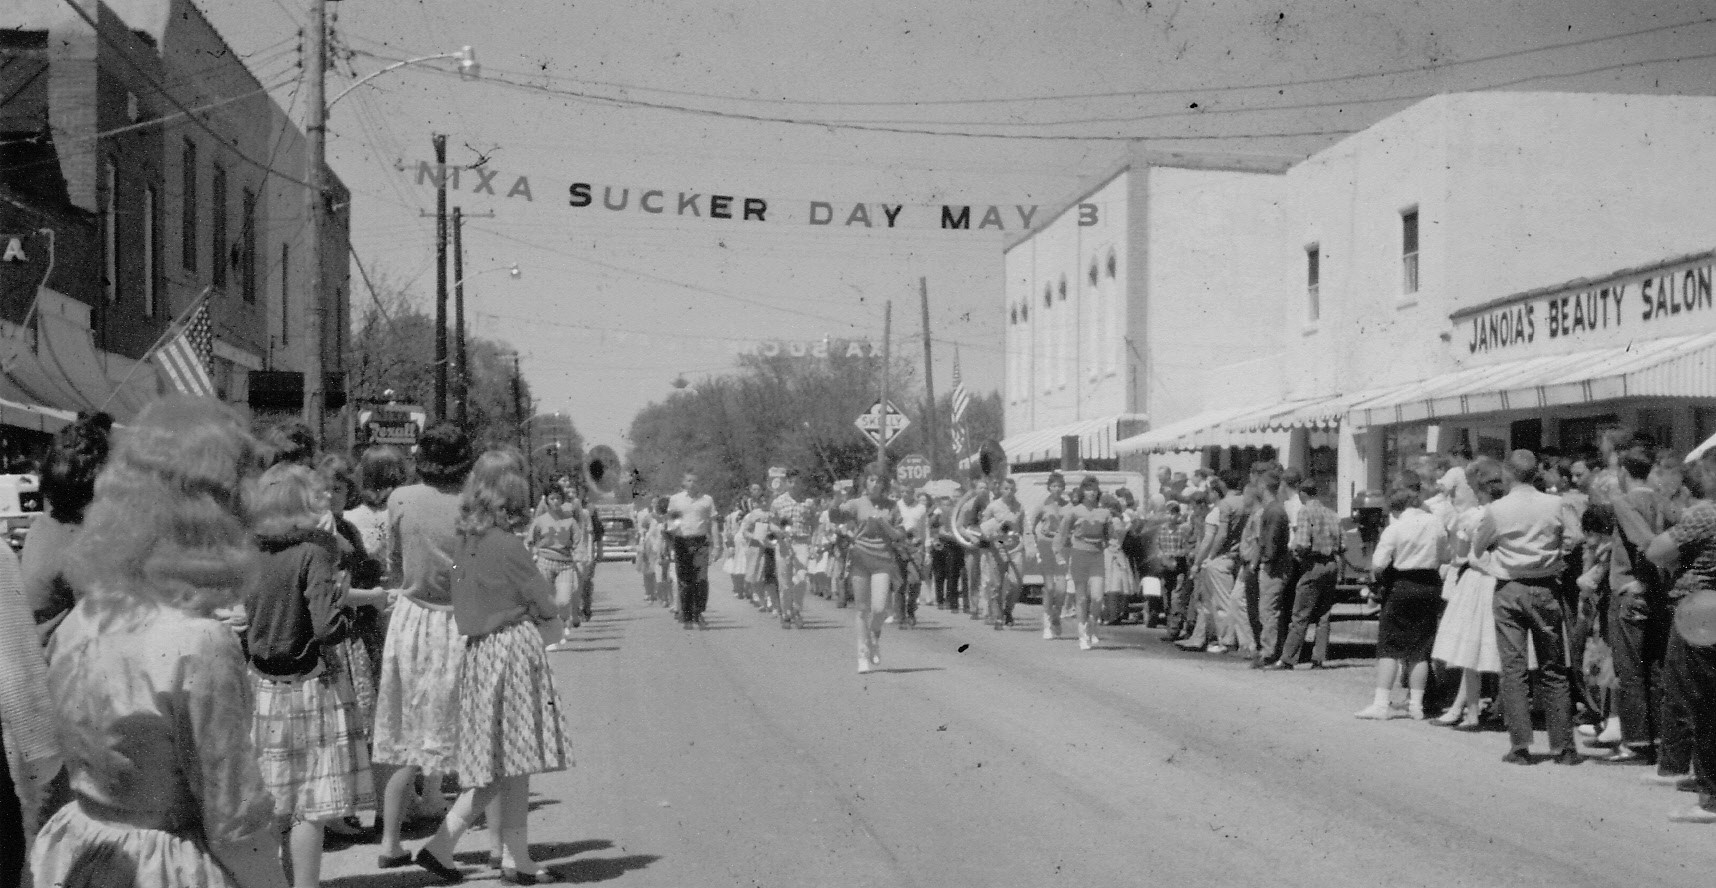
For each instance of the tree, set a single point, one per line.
(789, 412)
(394, 350)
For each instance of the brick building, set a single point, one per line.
(149, 210)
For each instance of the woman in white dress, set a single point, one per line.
(1466, 633)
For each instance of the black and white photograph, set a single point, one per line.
(886, 444)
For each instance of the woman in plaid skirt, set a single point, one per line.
(510, 722)
(307, 730)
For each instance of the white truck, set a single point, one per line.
(20, 506)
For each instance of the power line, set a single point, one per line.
(877, 128)
(1162, 91)
(174, 100)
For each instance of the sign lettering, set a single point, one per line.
(1664, 301)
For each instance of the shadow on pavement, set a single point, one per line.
(411, 877)
(602, 869)
(588, 650)
(548, 852)
(914, 669)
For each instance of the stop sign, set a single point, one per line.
(913, 471)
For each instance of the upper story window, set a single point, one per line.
(1063, 288)
(1024, 310)
(188, 207)
(1409, 251)
(217, 233)
(149, 270)
(1313, 278)
(1113, 264)
(110, 230)
(1048, 295)
(247, 246)
(1092, 273)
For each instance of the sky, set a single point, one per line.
(907, 104)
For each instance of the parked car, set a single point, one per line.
(619, 532)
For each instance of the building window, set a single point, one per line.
(1024, 310)
(1112, 264)
(1048, 295)
(110, 230)
(1313, 278)
(285, 294)
(1063, 288)
(1409, 251)
(188, 207)
(1093, 273)
(247, 246)
(217, 233)
(149, 233)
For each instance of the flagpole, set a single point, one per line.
(165, 335)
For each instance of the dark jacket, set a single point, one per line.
(294, 603)
(1273, 535)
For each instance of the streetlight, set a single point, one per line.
(316, 138)
(463, 392)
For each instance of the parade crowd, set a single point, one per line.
(1579, 589)
(217, 651)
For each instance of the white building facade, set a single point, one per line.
(1163, 263)
(1497, 270)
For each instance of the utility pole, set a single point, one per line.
(518, 421)
(887, 355)
(316, 134)
(461, 381)
(440, 142)
(929, 382)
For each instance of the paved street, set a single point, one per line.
(746, 755)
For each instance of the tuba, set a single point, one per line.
(602, 470)
(991, 463)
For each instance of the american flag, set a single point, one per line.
(961, 400)
(185, 357)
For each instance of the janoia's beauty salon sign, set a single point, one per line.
(596, 200)
(1667, 299)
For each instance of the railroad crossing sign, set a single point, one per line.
(870, 422)
(914, 471)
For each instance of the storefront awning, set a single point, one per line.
(1671, 367)
(1179, 435)
(1097, 439)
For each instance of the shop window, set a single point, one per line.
(188, 207)
(149, 234)
(1409, 251)
(1313, 278)
(217, 229)
(1581, 432)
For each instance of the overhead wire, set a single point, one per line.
(1132, 93)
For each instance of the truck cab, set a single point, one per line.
(20, 506)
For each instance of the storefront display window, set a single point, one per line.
(1580, 433)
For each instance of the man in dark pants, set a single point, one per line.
(1316, 544)
(1639, 614)
(1527, 535)
(1274, 569)
(947, 558)
(692, 513)
(1689, 700)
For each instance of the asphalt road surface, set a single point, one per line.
(748, 755)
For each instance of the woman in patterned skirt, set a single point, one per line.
(510, 723)
(416, 707)
(306, 728)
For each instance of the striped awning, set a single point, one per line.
(1671, 367)
(1182, 434)
(1096, 439)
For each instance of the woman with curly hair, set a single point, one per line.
(152, 693)
(510, 722)
(308, 727)
(68, 485)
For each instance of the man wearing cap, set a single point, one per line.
(1527, 536)
(691, 513)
